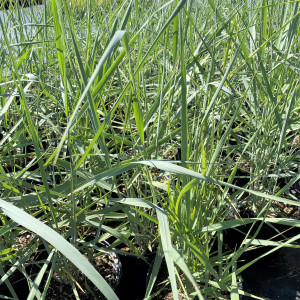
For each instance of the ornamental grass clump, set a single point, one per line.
(154, 124)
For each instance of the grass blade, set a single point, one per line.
(68, 250)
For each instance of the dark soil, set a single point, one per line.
(61, 289)
(23, 239)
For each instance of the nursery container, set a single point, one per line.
(275, 279)
(19, 284)
(275, 276)
(134, 273)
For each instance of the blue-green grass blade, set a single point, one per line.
(113, 43)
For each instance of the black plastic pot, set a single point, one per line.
(232, 238)
(276, 279)
(275, 276)
(134, 273)
(161, 276)
(19, 284)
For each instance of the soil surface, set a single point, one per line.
(23, 239)
(61, 289)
